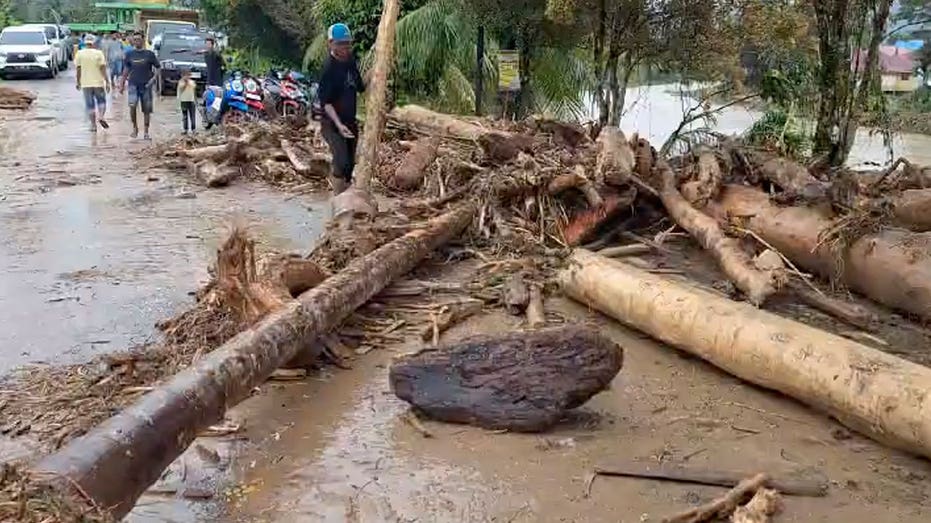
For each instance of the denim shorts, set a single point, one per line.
(140, 94)
(94, 97)
(116, 68)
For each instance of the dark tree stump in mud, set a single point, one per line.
(523, 381)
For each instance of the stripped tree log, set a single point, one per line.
(432, 123)
(736, 264)
(788, 175)
(418, 159)
(115, 462)
(912, 209)
(376, 96)
(891, 266)
(523, 381)
(576, 180)
(707, 183)
(616, 161)
(869, 391)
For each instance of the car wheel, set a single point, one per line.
(63, 66)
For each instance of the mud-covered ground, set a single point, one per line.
(94, 252)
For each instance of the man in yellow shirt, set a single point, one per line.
(93, 81)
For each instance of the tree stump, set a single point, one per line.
(522, 381)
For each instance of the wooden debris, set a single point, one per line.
(625, 250)
(789, 485)
(732, 259)
(765, 503)
(410, 173)
(516, 294)
(576, 180)
(850, 313)
(722, 507)
(536, 317)
(450, 316)
(616, 159)
(523, 381)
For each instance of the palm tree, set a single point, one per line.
(436, 61)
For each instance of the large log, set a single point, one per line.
(790, 176)
(433, 122)
(912, 209)
(377, 93)
(736, 264)
(891, 267)
(115, 462)
(869, 391)
(523, 381)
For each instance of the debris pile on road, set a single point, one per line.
(514, 199)
(26, 500)
(14, 99)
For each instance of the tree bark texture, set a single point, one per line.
(375, 110)
(874, 393)
(733, 260)
(410, 174)
(523, 381)
(115, 462)
(616, 161)
(892, 267)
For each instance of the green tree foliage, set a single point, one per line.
(6, 13)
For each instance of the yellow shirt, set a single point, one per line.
(90, 61)
(187, 91)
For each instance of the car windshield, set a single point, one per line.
(22, 38)
(177, 44)
(157, 28)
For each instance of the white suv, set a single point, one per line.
(56, 36)
(27, 51)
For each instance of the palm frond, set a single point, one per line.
(455, 89)
(561, 81)
(316, 52)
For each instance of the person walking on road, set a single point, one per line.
(187, 94)
(113, 50)
(93, 82)
(139, 72)
(216, 67)
(340, 83)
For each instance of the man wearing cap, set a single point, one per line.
(93, 81)
(340, 82)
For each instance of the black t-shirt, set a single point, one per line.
(139, 63)
(215, 66)
(339, 84)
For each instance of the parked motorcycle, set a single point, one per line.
(240, 99)
(286, 92)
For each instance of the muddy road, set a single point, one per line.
(93, 252)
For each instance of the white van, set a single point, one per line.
(27, 51)
(55, 35)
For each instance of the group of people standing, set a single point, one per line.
(340, 83)
(105, 63)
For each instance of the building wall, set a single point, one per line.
(898, 83)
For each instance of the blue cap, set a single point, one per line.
(339, 33)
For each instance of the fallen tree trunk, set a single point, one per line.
(867, 390)
(410, 173)
(707, 183)
(912, 209)
(523, 381)
(115, 462)
(432, 123)
(788, 175)
(890, 267)
(736, 264)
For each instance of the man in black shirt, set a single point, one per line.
(340, 82)
(215, 64)
(139, 72)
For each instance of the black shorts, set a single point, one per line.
(342, 148)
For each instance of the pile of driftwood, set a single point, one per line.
(14, 99)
